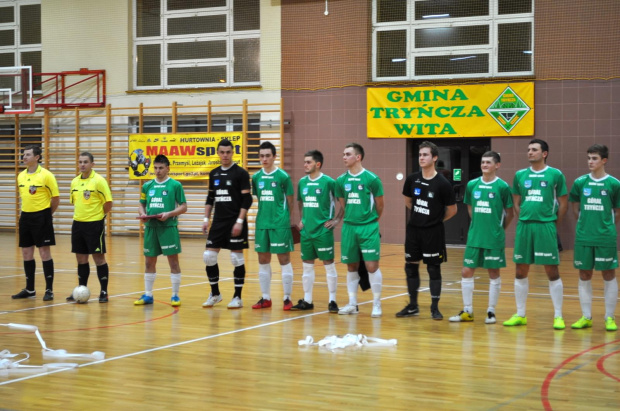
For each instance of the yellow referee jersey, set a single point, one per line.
(89, 195)
(37, 189)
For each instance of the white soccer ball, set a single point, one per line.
(81, 294)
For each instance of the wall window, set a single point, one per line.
(196, 43)
(20, 38)
(29, 133)
(439, 39)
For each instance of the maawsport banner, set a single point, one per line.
(192, 156)
(485, 110)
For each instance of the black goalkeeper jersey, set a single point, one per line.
(225, 188)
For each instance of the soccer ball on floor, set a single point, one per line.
(81, 294)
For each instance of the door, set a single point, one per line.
(462, 155)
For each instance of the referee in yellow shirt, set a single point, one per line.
(39, 194)
(91, 196)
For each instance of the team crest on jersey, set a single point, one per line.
(261, 184)
(164, 193)
(417, 191)
(274, 184)
(228, 182)
(477, 195)
(491, 195)
(587, 192)
(32, 189)
(360, 187)
(86, 194)
(431, 194)
(527, 183)
(216, 182)
(305, 190)
(543, 183)
(347, 187)
(151, 193)
(317, 191)
(603, 192)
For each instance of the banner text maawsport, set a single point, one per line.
(489, 110)
(192, 156)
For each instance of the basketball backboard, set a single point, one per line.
(16, 90)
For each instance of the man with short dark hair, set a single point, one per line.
(274, 190)
(431, 200)
(229, 194)
(540, 201)
(38, 191)
(596, 207)
(91, 196)
(317, 210)
(489, 203)
(360, 193)
(161, 201)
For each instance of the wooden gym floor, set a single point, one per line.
(165, 358)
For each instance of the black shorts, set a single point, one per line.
(88, 237)
(427, 244)
(220, 235)
(36, 228)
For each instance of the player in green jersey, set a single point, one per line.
(360, 193)
(489, 203)
(540, 201)
(274, 190)
(317, 205)
(595, 199)
(161, 201)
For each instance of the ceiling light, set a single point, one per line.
(463, 58)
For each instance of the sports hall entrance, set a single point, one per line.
(459, 161)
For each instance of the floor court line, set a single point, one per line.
(181, 343)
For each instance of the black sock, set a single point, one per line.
(413, 282)
(29, 268)
(213, 274)
(434, 273)
(239, 277)
(435, 286)
(48, 272)
(83, 274)
(103, 272)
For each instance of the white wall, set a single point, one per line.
(97, 34)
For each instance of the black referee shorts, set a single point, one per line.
(88, 237)
(36, 229)
(427, 244)
(220, 235)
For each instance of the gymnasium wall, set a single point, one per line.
(577, 93)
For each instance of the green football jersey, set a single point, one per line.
(160, 198)
(318, 203)
(539, 191)
(359, 193)
(597, 200)
(271, 190)
(488, 203)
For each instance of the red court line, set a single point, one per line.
(175, 311)
(544, 391)
(601, 367)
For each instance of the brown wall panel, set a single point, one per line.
(321, 51)
(577, 39)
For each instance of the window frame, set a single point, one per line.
(163, 40)
(17, 48)
(493, 20)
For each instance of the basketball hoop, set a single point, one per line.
(16, 92)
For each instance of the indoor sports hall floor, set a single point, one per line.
(160, 357)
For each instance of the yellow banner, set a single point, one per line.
(192, 156)
(489, 110)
